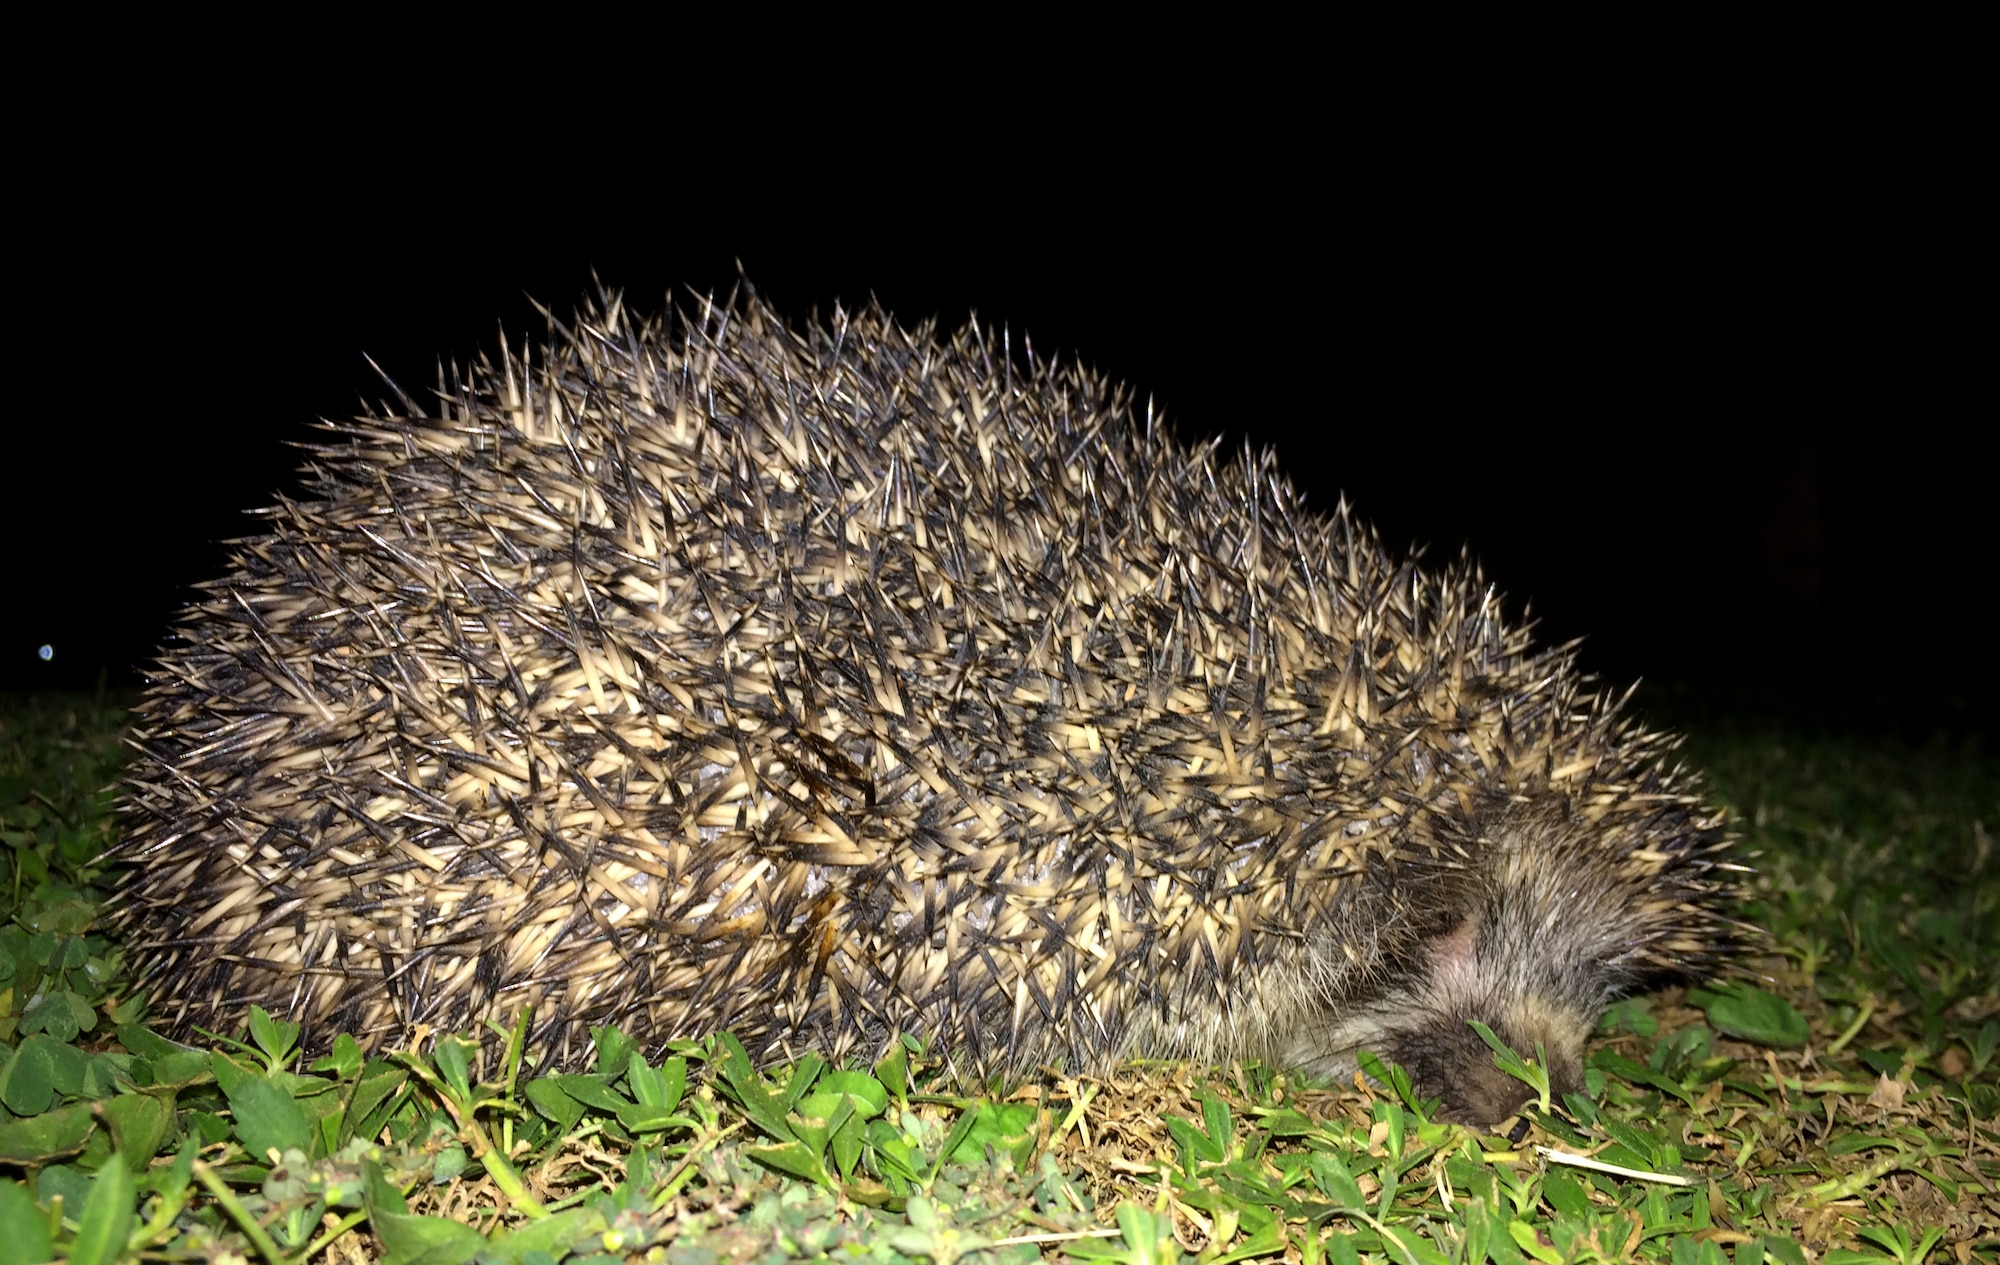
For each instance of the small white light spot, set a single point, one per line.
(47, 653)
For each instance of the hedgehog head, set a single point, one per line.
(1532, 924)
(1470, 976)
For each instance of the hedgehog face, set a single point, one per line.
(1536, 945)
(1528, 931)
(1470, 977)
(1460, 975)
(1448, 1060)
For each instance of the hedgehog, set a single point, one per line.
(827, 684)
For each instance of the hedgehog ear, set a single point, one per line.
(1457, 946)
(1452, 957)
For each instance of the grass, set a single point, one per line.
(1844, 1107)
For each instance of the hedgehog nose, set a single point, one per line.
(1481, 1095)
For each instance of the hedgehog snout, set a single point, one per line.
(1446, 1059)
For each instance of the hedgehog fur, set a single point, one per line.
(701, 674)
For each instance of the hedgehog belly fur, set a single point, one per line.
(820, 685)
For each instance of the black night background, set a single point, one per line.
(1723, 421)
